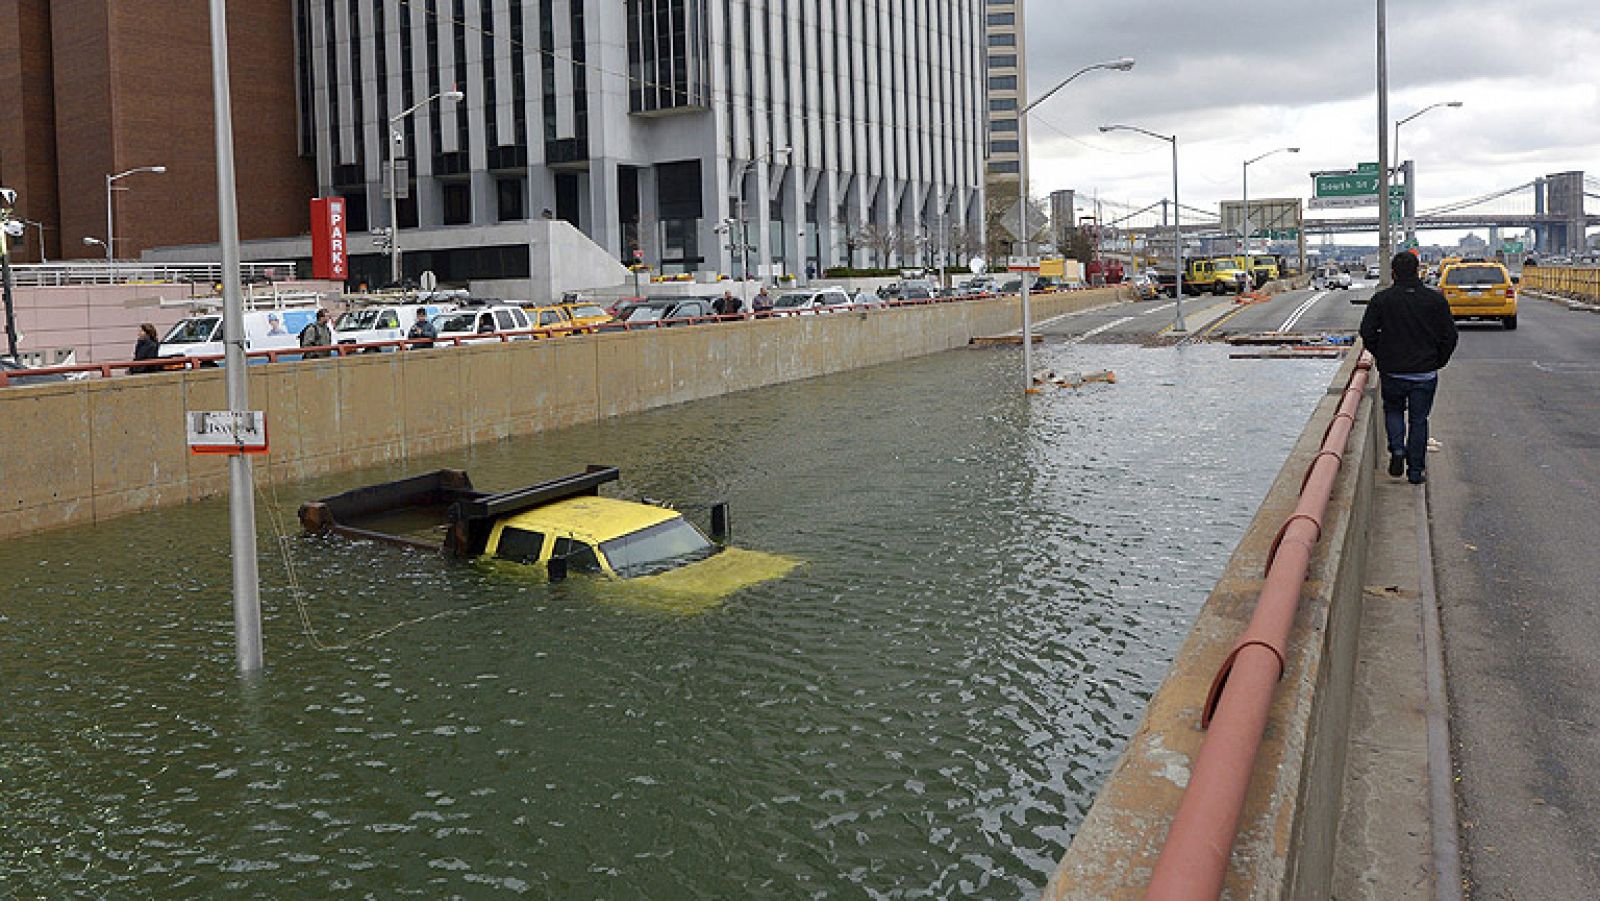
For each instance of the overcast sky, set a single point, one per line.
(1234, 80)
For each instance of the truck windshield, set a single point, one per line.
(656, 549)
(193, 331)
(358, 320)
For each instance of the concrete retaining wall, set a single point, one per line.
(1286, 839)
(88, 451)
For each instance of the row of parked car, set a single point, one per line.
(383, 323)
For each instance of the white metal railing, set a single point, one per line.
(84, 272)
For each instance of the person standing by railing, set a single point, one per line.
(148, 347)
(317, 334)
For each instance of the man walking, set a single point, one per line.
(317, 334)
(1409, 330)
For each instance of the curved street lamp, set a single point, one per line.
(397, 137)
(1122, 64)
(1178, 324)
(111, 224)
(770, 156)
(1410, 203)
(1249, 258)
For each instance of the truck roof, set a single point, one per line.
(592, 519)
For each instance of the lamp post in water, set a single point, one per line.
(1120, 65)
(1178, 324)
(396, 136)
(241, 480)
(1249, 258)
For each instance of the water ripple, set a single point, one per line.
(993, 587)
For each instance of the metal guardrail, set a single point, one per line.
(291, 354)
(1194, 861)
(1578, 283)
(65, 274)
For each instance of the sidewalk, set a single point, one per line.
(1386, 842)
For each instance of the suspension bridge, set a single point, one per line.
(1557, 208)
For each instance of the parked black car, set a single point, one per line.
(643, 312)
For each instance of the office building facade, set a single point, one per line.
(688, 134)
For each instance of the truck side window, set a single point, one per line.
(389, 319)
(519, 545)
(580, 557)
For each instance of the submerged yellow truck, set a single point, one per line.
(559, 528)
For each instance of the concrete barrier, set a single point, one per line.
(1287, 836)
(79, 452)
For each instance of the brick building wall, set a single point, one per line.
(103, 87)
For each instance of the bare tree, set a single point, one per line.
(881, 240)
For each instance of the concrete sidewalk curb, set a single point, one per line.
(1447, 880)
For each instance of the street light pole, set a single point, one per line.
(1121, 65)
(1178, 325)
(395, 137)
(1410, 202)
(1249, 258)
(111, 222)
(1385, 231)
(241, 476)
(744, 225)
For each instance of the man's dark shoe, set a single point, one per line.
(1397, 465)
(1417, 478)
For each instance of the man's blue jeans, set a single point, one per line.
(1407, 403)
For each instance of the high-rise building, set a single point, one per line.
(1008, 89)
(690, 134)
(91, 88)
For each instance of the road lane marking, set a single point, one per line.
(1102, 329)
(1300, 311)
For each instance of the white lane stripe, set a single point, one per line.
(1294, 318)
(1102, 329)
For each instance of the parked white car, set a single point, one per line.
(369, 325)
(807, 302)
(484, 321)
(272, 329)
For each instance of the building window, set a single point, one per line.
(1003, 61)
(1009, 167)
(1003, 103)
(509, 192)
(668, 55)
(1002, 40)
(457, 202)
(1008, 126)
(1003, 83)
(1002, 19)
(1010, 146)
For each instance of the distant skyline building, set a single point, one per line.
(848, 128)
(1008, 89)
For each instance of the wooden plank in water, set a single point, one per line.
(1002, 340)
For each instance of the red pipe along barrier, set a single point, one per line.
(1194, 861)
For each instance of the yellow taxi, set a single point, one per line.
(1480, 289)
(555, 319)
(585, 315)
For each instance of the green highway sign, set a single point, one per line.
(1346, 184)
(1277, 234)
(1368, 168)
(1513, 247)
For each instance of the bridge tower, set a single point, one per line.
(1564, 204)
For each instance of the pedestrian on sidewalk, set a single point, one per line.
(1410, 332)
(317, 334)
(147, 347)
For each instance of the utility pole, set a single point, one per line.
(242, 498)
(1385, 231)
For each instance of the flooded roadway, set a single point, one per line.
(992, 587)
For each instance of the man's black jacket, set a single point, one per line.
(1408, 328)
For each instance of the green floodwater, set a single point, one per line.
(993, 587)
